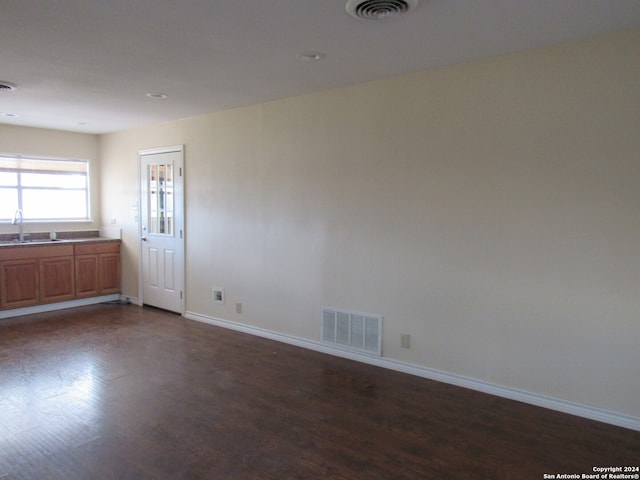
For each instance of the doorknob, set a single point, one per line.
(144, 239)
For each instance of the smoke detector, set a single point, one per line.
(6, 86)
(379, 9)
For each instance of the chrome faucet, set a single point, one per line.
(17, 220)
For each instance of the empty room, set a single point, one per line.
(359, 239)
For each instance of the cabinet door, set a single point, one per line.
(87, 276)
(20, 283)
(57, 279)
(109, 273)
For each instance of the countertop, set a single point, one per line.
(41, 242)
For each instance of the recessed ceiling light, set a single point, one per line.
(310, 56)
(157, 95)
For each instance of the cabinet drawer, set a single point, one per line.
(97, 247)
(29, 252)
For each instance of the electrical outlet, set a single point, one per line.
(405, 340)
(217, 295)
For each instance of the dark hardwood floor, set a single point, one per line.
(122, 392)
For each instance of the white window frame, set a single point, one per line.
(32, 164)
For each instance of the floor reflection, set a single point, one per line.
(62, 394)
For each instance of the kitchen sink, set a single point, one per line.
(35, 241)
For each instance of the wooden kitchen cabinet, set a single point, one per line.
(57, 279)
(97, 269)
(39, 274)
(19, 283)
(87, 276)
(109, 272)
(35, 274)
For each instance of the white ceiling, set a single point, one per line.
(86, 65)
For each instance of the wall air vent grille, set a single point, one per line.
(6, 86)
(379, 9)
(359, 332)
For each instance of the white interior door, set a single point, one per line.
(162, 228)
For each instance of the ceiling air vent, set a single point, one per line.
(6, 86)
(379, 9)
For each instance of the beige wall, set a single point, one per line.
(489, 209)
(54, 143)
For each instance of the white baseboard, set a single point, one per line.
(50, 307)
(544, 401)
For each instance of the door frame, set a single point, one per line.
(154, 151)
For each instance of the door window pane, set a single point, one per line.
(168, 199)
(161, 202)
(153, 221)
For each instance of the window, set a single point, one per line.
(45, 189)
